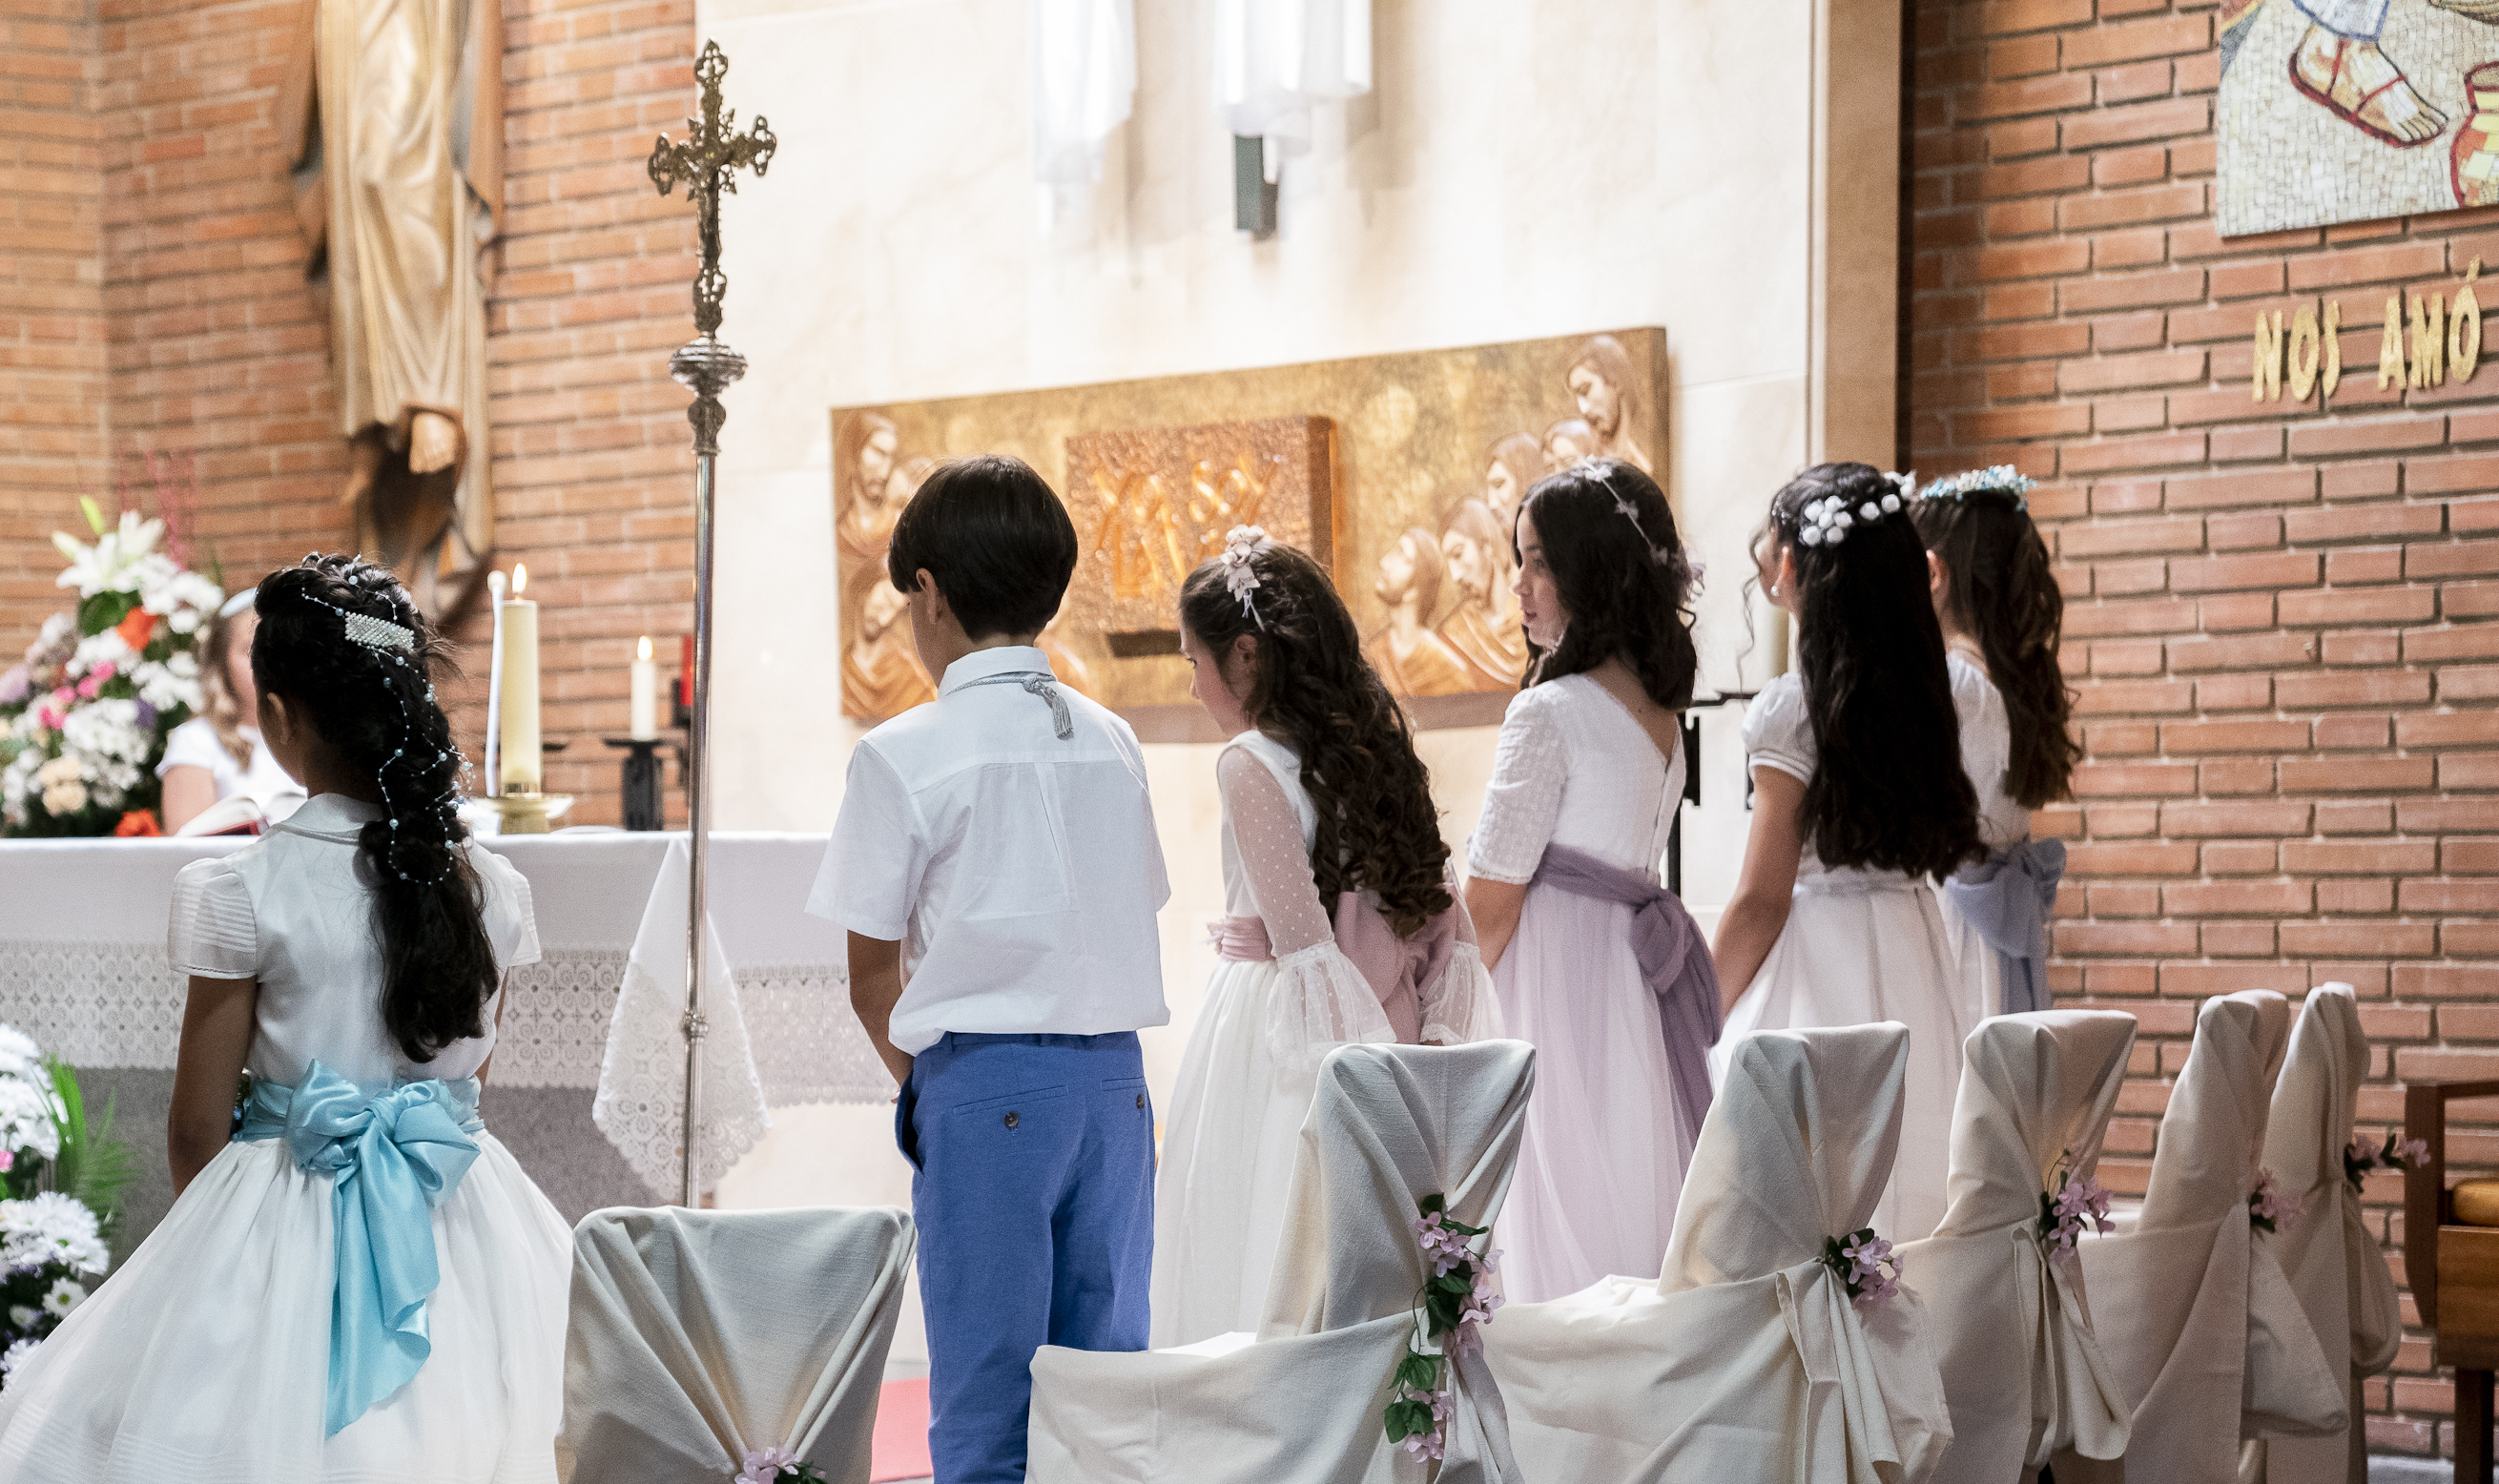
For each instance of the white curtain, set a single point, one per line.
(1745, 1359)
(2012, 1326)
(1084, 84)
(698, 1336)
(1275, 58)
(1304, 1403)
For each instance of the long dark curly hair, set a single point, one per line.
(376, 708)
(1888, 791)
(1623, 579)
(2000, 586)
(1312, 688)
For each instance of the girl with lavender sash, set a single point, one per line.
(1594, 962)
(1343, 920)
(1862, 801)
(1995, 595)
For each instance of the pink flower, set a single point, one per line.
(7, 1160)
(764, 1464)
(2412, 1151)
(2270, 1208)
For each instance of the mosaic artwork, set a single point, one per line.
(1402, 473)
(2335, 111)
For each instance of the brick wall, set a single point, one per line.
(2283, 619)
(164, 129)
(52, 307)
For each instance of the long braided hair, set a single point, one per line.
(2000, 586)
(1312, 688)
(1888, 791)
(373, 704)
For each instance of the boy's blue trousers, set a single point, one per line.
(1034, 1194)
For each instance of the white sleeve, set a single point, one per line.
(511, 917)
(1778, 730)
(878, 855)
(1461, 1005)
(1525, 796)
(192, 745)
(211, 932)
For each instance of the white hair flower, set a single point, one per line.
(1240, 578)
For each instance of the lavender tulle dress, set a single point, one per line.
(1612, 1127)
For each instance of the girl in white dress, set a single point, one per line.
(1343, 920)
(1594, 961)
(1994, 593)
(358, 1285)
(217, 754)
(1861, 803)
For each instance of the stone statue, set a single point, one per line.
(394, 115)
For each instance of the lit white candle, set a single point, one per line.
(646, 694)
(518, 742)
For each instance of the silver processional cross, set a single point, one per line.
(707, 165)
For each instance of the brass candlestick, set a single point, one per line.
(529, 814)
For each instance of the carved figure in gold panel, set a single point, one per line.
(881, 675)
(392, 118)
(1483, 626)
(1514, 464)
(1602, 382)
(1137, 534)
(1410, 657)
(864, 463)
(1567, 443)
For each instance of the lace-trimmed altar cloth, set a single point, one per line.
(82, 969)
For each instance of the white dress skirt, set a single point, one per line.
(204, 1358)
(1861, 947)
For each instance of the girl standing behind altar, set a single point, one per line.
(1861, 802)
(1595, 962)
(1343, 920)
(1995, 595)
(360, 1284)
(218, 755)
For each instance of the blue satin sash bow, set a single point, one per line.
(2007, 899)
(392, 1158)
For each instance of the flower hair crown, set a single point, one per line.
(1595, 469)
(1827, 522)
(1998, 478)
(1240, 580)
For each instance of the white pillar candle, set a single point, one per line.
(646, 694)
(521, 759)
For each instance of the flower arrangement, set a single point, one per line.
(57, 1170)
(1456, 1299)
(2065, 1211)
(777, 1464)
(84, 716)
(1861, 1259)
(2399, 1153)
(2270, 1207)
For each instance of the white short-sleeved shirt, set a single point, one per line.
(1021, 872)
(294, 909)
(194, 745)
(1576, 768)
(1778, 734)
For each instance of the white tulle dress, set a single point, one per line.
(1294, 981)
(1601, 1167)
(205, 1357)
(1863, 945)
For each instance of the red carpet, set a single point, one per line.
(901, 1450)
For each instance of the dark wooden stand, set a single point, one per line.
(2454, 1274)
(642, 807)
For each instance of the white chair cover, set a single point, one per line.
(2333, 1264)
(2011, 1325)
(1303, 1404)
(1745, 1359)
(2189, 1302)
(696, 1337)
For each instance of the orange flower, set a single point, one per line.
(136, 629)
(137, 824)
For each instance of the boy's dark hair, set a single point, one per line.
(995, 538)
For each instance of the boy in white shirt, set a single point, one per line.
(996, 865)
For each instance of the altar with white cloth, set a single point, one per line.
(82, 969)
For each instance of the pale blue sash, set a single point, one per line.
(2007, 900)
(392, 1158)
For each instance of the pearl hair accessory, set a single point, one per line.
(1827, 522)
(1595, 469)
(372, 632)
(1240, 580)
(396, 642)
(1998, 478)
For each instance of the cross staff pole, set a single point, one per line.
(706, 164)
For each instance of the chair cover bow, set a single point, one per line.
(2007, 900)
(392, 1158)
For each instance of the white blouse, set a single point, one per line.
(1987, 752)
(194, 745)
(1575, 768)
(294, 909)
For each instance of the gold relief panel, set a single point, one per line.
(1402, 473)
